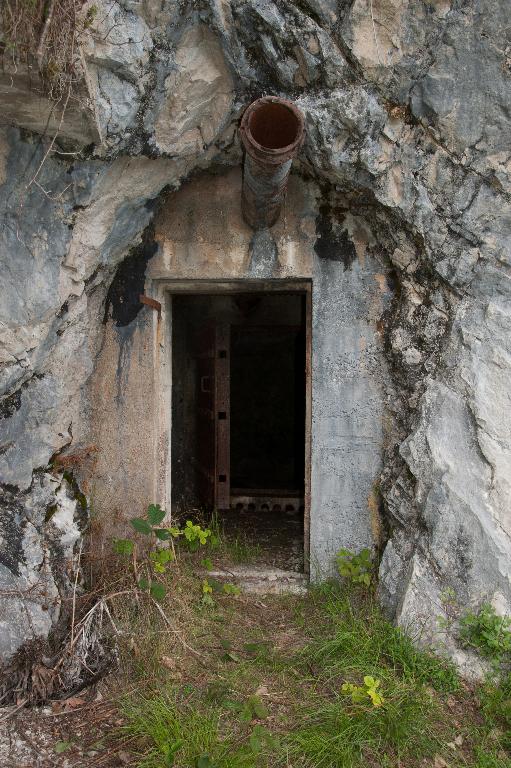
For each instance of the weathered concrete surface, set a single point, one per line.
(264, 581)
(201, 234)
(408, 124)
(350, 295)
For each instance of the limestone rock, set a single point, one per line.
(119, 42)
(198, 96)
(39, 532)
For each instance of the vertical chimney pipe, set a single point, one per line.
(272, 132)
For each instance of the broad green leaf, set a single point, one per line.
(158, 591)
(162, 556)
(140, 525)
(205, 761)
(231, 589)
(230, 656)
(155, 514)
(260, 737)
(255, 742)
(258, 707)
(208, 600)
(257, 648)
(163, 534)
(124, 546)
(143, 584)
(376, 698)
(62, 746)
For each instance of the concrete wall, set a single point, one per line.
(347, 402)
(201, 236)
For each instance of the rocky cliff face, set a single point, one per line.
(407, 106)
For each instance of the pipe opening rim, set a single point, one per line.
(272, 126)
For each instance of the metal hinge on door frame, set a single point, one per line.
(151, 303)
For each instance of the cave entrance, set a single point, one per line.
(240, 432)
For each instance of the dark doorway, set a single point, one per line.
(239, 416)
(267, 407)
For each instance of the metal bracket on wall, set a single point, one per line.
(151, 303)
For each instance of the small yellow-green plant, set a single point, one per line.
(195, 535)
(363, 694)
(211, 586)
(355, 567)
(231, 589)
(207, 592)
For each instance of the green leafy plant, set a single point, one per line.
(362, 694)
(157, 559)
(160, 558)
(205, 761)
(195, 535)
(253, 709)
(355, 567)
(262, 738)
(495, 700)
(231, 589)
(207, 592)
(489, 633)
(124, 547)
(62, 746)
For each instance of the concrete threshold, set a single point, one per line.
(264, 581)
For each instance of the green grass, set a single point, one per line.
(183, 731)
(236, 549)
(366, 640)
(292, 655)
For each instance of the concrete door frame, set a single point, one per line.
(163, 290)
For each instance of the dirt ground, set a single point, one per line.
(33, 738)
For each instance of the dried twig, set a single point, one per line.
(175, 632)
(34, 178)
(75, 588)
(44, 33)
(13, 711)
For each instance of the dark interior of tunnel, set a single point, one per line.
(267, 407)
(260, 425)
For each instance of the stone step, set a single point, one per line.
(264, 580)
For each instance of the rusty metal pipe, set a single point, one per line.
(272, 131)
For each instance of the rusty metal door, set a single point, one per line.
(213, 415)
(222, 416)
